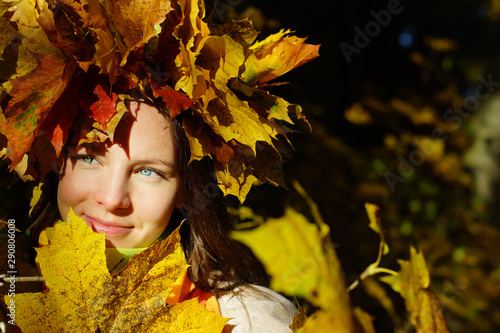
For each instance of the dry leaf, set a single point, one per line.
(135, 21)
(299, 319)
(413, 283)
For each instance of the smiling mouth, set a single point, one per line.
(101, 227)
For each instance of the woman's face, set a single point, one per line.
(128, 189)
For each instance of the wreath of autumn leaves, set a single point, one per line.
(75, 63)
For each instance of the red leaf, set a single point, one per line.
(105, 108)
(175, 101)
(33, 95)
(65, 110)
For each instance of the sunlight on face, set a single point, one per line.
(129, 189)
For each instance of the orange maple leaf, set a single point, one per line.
(34, 95)
(105, 108)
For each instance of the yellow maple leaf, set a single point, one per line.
(82, 296)
(25, 13)
(277, 55)
(413, 283)
(237, 185)
(325, 321)
(299, 264)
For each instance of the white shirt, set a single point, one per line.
(259, 312)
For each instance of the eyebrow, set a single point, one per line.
(156, 161)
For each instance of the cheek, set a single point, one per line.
(70, 192)
(156, 209)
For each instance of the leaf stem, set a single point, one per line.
(370, 271)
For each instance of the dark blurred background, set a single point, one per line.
(404, 122)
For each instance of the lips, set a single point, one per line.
(111, 229)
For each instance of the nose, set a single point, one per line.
(112, 190)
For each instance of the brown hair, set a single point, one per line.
(217, 262)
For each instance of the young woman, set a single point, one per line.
(137, 122)
(140, 187)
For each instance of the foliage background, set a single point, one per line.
(369, 113)
(365, 115)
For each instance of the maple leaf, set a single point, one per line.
(33, 96)
(277, 55)
(197, 133)
(241, 31)
(225, 117)
(106, 55)
(24, 13)
(191, 32)
(121, 110)
(299, 264)
(413, 283)
(175, 101)
(65, 110)
(324, 321)
(267, 165)
(235, 183)
(135, 21)
(105, 108)
(301, 261)
(82, 296)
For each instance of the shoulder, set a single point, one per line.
(257, 309)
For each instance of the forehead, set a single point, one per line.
(146, 132)
(143, 133)
(147, 121)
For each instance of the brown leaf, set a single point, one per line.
(135, 21)
(106, 55)
(299, 319)
(241, 31)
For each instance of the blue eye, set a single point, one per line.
(146, 172)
